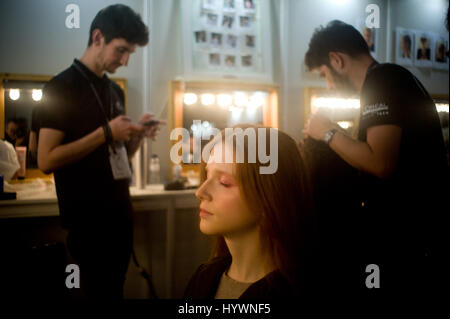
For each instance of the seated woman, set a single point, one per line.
(263, 224)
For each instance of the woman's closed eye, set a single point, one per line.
(226, 181)
(224, 184)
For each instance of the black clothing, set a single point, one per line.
(103, 257)
(205, 281)
(401, 213)
(94, 207)
(337, 203)
(70, 106)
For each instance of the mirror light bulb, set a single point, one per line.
(207, 99)
(36, 95)
(190, 98)
(224, 100)
(14, 94)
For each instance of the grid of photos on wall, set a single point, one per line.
(421, 48)
(226, 36)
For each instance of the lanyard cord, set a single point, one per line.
(100, 104)
(97, 97)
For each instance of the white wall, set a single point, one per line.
(165, 60)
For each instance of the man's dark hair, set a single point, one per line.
(120, 21)
(337, 36)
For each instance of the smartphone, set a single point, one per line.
(151, 123)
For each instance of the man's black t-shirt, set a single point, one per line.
(87, 192)
(403, 210)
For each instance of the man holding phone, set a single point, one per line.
(86, 141)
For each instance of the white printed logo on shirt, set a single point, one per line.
(378, 109)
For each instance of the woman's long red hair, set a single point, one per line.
(283, 200)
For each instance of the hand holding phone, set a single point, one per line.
(151, 123)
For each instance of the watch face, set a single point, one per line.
(328, 135)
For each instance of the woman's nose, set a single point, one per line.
(202, 192)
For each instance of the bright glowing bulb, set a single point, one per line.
(441, 107)
(14, 94)
(224, 100)
(207, 99)
(240, 99)
(36, 95)
(256, 100)
(190, 98)
(345, 124)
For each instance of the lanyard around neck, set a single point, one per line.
(97, 97)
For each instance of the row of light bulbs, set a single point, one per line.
(238, 99)
(36, 94)
(341, 103)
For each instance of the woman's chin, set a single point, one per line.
(207, 229)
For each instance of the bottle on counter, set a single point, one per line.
(154, 170)
(22, 157)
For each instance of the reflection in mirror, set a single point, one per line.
(21, 101)
(220, 109)
(343, 110)
(202, 108)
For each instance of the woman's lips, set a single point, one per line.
(204, 213)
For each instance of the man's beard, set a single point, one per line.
(343, 84)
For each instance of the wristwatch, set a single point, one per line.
(329, 135)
